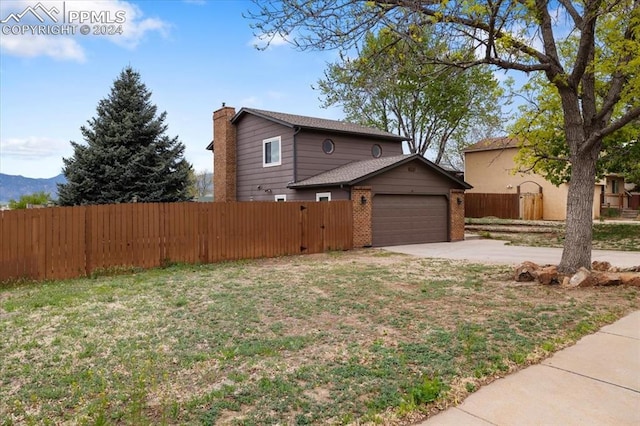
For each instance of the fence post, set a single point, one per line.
(88, 235)
(303, 228)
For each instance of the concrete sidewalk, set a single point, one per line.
(594, 382)
(496, 252)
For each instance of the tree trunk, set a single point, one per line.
(579, 224)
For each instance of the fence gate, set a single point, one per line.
(531, 206)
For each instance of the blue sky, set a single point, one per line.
(193, 55)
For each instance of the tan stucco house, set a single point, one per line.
(490, 168)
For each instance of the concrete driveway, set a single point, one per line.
(496, 252)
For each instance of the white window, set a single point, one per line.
(323, 196)
(271, 152)
(281, 197)
(614, 186)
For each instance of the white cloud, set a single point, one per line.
(198, 2)
(34, 147)
(134, 27)
(112, 14)
(272, 94)
(250, 102)
(56, 47)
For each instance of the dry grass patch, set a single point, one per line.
(606, 236)
(362, 336)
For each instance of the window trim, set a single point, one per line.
(264, 152)
(333, 146)
(320, 195)
(373, 148)
(280, 197)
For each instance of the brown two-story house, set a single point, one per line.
(270, 156)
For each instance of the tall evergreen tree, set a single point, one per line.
(127, 156)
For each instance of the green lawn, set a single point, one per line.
(361, 336)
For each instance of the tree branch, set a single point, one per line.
(627, 118)
(539, 158)
(587, 43)
(438, 16)
(618, 80)
(548, 39)
(577, 19)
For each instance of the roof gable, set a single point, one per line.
(320, 124)
(357, 171)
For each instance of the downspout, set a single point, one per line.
(297, 130)
(347, 190)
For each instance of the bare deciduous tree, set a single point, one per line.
(598, 85)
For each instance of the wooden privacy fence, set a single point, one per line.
(67, 242)
(504, 206)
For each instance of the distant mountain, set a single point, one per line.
(13, 187)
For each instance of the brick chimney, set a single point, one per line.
(224, 154)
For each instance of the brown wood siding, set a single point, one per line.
(312, 160)
(409, 219)
(411, 178)
(337, 193)
(251, 131)
(68, 242)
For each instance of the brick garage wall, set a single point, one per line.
(224, 155)
(362, 236)
(456, 215)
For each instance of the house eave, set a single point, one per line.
(344, 132)
(385, 169)
(244, 111)
(495, 148)
(319, 185)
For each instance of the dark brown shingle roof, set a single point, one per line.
(491, 144)
(313, 123)
(356, 171)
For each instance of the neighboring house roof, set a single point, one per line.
(354, 172)
(445, 164)
(313, 123)
(491, 144)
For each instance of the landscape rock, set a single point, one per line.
(603, 274)
(630, 278)
(526, 271)
(629, 269)
(548, 275)
(616, 278)
(600, 266)
(582, 278)
(606, 278)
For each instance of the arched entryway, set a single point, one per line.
(531, 202)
